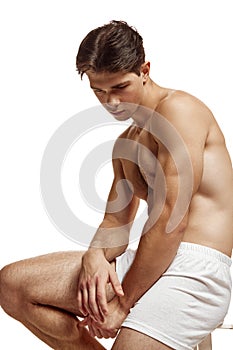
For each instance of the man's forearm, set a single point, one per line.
(111, 239)
(154, 255)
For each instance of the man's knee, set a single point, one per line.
(10, 290)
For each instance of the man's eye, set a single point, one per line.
(122, 87)
(98, 91)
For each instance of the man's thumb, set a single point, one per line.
(116, 284)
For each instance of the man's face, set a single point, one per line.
(120, 93)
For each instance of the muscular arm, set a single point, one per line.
(110, 240)
(182, 165)
(112, 236)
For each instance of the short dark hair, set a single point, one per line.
(114, 47)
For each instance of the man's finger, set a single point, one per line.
(93, 330)
(116, 284)
(85, 298)
(80, 303)
(93, 303)
(102, 298)
(97, 332)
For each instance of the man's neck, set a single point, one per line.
(152, 97)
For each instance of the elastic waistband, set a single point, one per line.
(186, 246)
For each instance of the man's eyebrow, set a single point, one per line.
(120, 84)
(94, 88)
(112, 87)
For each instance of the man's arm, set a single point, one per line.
(181, 142)
(110, 240)
(112, 236)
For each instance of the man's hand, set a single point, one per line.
(112, 322)
(96, 272)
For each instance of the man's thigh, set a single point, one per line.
(129, 339)
(49, 279)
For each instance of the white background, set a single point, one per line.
(189, 44)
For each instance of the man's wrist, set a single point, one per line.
(125, 304)
(109, 253)
(97, 252)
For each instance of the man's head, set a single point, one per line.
(113, 58)
(111, 48)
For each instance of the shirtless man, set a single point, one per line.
(158, 296)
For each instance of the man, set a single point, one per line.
(175, 288)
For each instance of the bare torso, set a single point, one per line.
(211, 211)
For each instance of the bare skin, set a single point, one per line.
(47, 293)
(211, 187)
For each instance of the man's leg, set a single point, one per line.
(130, 339)
(41, 294)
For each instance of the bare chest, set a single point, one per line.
(139, 165)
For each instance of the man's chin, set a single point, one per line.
(121, 116)
(121, 119)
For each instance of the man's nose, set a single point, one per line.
(113, 101)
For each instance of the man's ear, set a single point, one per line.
(145, 71)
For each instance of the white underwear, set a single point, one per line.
(188, 302)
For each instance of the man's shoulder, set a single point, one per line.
(181, 100)
(180, 106)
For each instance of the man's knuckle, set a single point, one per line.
(89, 282)
(82, 285)
(99, 295)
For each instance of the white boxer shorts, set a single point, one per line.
(188, 302)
